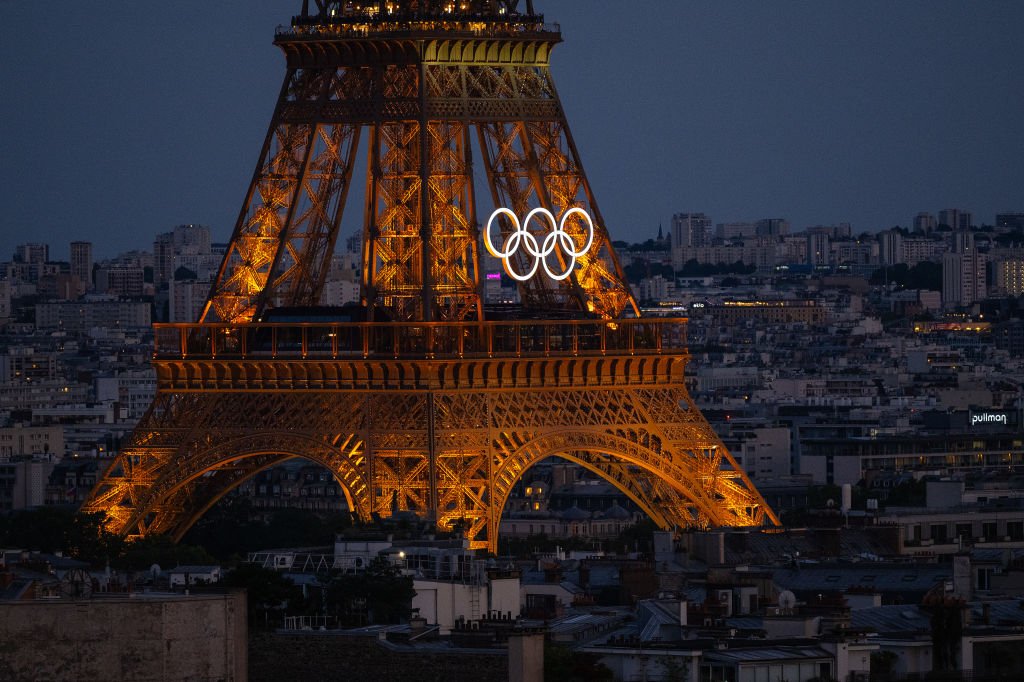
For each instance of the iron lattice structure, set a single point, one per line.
(419, 400)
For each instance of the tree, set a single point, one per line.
(636, 538)
(268, 593)
(895, 274)
(162, 550)
(565, 665)
(925, 275)
(380, 594)
(676, 670)
(883, 664)
(230, 529)
(57, 529)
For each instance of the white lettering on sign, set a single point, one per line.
(522, 238)
(988, 418)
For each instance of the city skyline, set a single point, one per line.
(817, 114)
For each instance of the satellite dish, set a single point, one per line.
(787, 600)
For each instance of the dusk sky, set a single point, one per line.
(122, 119)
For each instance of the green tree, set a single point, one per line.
(636, 538)
(232, 528)
(270, 595)
(162, 550)
(58, 529)
(378, 595)
(562, 664)
(676, 669)
(883, 664)
(925, 275)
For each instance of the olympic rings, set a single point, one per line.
(558, 237)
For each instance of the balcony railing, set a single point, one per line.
(352, 340)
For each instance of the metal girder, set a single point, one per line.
(420, 227)
(452, 455)
(284, 238)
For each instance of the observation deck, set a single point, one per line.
(496, 355)
(368, 34)
(419, 340)
(373, 20)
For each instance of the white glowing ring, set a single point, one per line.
(557, 238)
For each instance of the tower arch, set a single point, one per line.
(174, 497)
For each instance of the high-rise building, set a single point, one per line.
(772, 227)
(1010, 221)
(916, 250)
(890, 247)
(120, 281)
(163, 257)
(924, 222)
(1009, 276)
(963, 273)
(35, 254)
(5, 299)
(168, 247)
(354, 244)
(691, 229)
(956, 219)
(817, 248)
(81, 262)
(729, 231)
(186, 299)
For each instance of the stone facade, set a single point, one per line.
(199, 638)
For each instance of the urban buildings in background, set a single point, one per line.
(861, 365)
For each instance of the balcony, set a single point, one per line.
(414, 340)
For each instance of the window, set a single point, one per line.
(984, 576)
(1015, 529)
(938, 531)
(988, 531)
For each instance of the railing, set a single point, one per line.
(319, 340)
(415, 24)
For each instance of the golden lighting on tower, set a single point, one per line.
(419, 401)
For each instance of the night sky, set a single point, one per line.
(122, 119)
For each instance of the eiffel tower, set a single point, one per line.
(421, 398)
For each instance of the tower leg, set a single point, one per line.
(448, 449)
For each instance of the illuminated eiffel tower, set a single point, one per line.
(421, 398)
